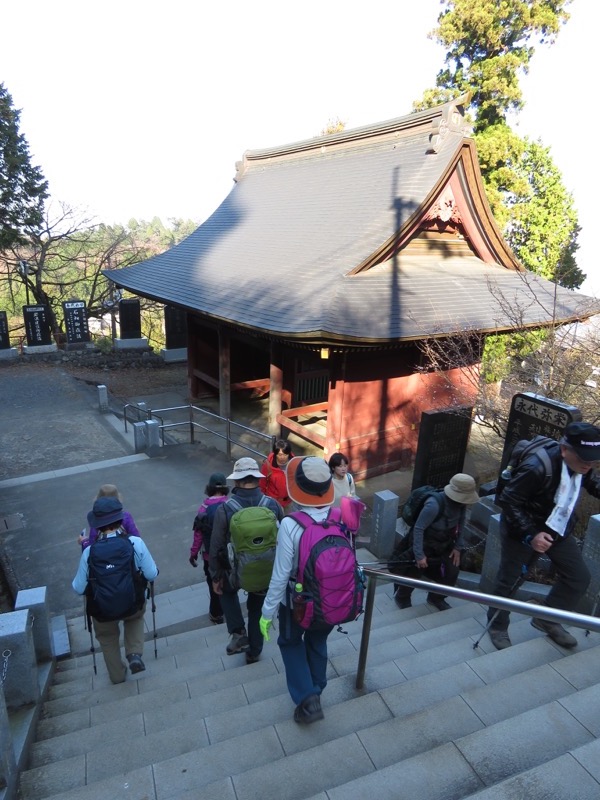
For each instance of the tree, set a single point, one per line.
(489, 45)
(65, 256)
(23, 189)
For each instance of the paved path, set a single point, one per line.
(58, 449)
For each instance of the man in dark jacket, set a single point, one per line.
(246, 476)
(537, 517)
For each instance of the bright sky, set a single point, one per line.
(136, 109)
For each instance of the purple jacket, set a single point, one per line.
(128, 526)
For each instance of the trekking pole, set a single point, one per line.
(89, 627)
(153, 606)
(525, 570)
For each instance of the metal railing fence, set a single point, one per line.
(231, 430)
(505, 603)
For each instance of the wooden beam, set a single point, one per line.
(304, 410)
(301, 431)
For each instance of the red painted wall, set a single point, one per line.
(375, 420)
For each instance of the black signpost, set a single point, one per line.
(37, 325)
(4, 336)
(130, 320)
(442, 446)
(175, 328)
(76, 322)
(531, 415)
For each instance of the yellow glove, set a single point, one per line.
(265, 625)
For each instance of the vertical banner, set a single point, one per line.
(76, 322)
(4, 337)
(37, 325)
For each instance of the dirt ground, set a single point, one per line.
(119, 382)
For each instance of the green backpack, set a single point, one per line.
(251, 549)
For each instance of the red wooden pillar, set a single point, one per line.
(276, 386)
(335, 405)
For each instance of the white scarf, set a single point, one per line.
(564, 499)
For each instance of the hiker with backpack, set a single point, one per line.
(242, 550)
(113, 574)
(316, 584)
(537, 516)
(432, 546)
(273, 482)
(129, 526)
(216, 492)
(342, 480)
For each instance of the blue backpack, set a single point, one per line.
(116, 587)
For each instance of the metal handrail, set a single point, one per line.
(505, 603)
(193, 424)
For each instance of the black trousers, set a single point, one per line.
(442, 570)
(572, 577)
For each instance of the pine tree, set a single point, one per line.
(23, 188)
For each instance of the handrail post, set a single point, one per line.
(366, 632)
(228, 440)
(191, 413)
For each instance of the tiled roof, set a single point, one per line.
(278, 253)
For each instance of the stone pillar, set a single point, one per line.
(139, 437)
(37, 601)
(385, 514)
(152, 437)
(8, 764)
(589, 603)
(21, 687)
(491, 558)
(103, 398)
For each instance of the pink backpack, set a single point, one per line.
(332, 581)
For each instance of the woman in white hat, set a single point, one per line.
(432, 547)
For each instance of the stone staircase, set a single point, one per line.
(437, 720)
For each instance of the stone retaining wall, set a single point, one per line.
(94, 358)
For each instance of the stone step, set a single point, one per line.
(427, 689)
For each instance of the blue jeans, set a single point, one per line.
(304, 655)
(235, 619)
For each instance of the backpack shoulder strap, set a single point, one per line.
(441, 504)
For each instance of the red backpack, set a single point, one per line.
(332, 583)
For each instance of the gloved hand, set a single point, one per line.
(194, 561)
(265, 625)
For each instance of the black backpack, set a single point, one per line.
(115, 588)
(204, 523)
(410, 514)
(415, 502)
(521, 450)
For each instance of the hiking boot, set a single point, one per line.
(309, 710)
(555, 631)
(135, 663)
(438, 602)
(250, 659)
(402, 602)
(216, 620)
(238, 643)
(500, 639)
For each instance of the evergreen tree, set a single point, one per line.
(23, 188)
(490, 44)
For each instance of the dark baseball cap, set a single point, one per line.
(584, 438)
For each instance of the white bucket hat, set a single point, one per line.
(462, 489)
(245, 468)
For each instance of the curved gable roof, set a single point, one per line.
(290, 252)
